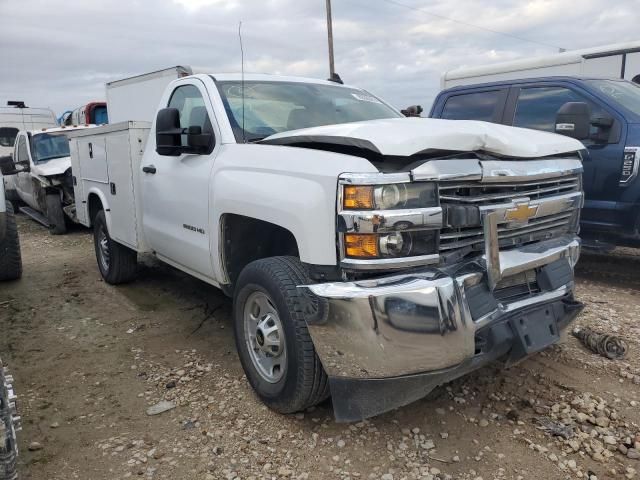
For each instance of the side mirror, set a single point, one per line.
(168, 132)
(574, 120)
(7, 167)
(412, 111)
(197, 141)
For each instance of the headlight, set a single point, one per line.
(390, 245)
(389, 197)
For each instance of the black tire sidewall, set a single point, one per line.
(55, 214)
(273, 394)
(101, 222)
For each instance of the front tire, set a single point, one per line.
(10, 258)
(117, 263)
(271, 331)
(55, 214)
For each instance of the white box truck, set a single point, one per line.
(136, 98)
(370, 256)
(620, 60)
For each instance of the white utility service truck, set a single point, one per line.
(369, 255)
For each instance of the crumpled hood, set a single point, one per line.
(55, 166)
(409, 136)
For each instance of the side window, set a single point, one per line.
(189, 102)
(537, 106)
(473, 106)
(8, 136)
(23, 154)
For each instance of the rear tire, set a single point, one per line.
(269, 313)
(55, 215)
(117, 263)
(10, 258)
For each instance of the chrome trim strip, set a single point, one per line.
(389, 263)
(381, 221)
(492, 171)
(373, 178)
(523, 170)
(448, 170)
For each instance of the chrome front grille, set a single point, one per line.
(467, 240)
(471, 193)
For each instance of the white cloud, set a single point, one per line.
(60, 54)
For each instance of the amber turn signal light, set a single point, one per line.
(358, 196)
(360, 245)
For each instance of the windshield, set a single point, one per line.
(45, 147)
(274, 107)
(625, 94)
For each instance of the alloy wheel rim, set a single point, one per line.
(264, 337)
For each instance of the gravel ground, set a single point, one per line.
(90, 360)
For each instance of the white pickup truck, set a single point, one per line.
(42, 179)
(370, 256)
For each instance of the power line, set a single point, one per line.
(442, 17)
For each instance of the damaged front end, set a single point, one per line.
(492, 276)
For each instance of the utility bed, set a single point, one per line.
(106, 165)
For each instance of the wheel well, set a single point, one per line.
(636, 79)
(247, 239)
(95, 205)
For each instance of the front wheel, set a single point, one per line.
(55, 214)
(271, 334)
(116, 262)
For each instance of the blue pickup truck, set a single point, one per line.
(611, 214)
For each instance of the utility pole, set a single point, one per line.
(332, 69)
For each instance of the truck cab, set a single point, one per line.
(611, 151)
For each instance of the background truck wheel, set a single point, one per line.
(55, 215)
(10, 258)
(9, 423)
(116, 262)
(273, 343)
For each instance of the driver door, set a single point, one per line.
(175, 189)
(23, 182)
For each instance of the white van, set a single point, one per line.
(16, 116)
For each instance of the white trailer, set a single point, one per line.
(136, 98)
(620, 60)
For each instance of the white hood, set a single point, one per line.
(55, 166)
(408, 136)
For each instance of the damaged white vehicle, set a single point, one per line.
(369, 256)
(43, 180)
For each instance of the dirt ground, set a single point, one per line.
(89, 359)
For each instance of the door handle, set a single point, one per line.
(149, 169)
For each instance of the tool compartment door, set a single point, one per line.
(78, 184)
(121, 193)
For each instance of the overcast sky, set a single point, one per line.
(60, 53)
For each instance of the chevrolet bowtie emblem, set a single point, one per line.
(521, 212)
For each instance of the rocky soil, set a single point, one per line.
(142, 381)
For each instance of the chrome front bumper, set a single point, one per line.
(422, 321)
